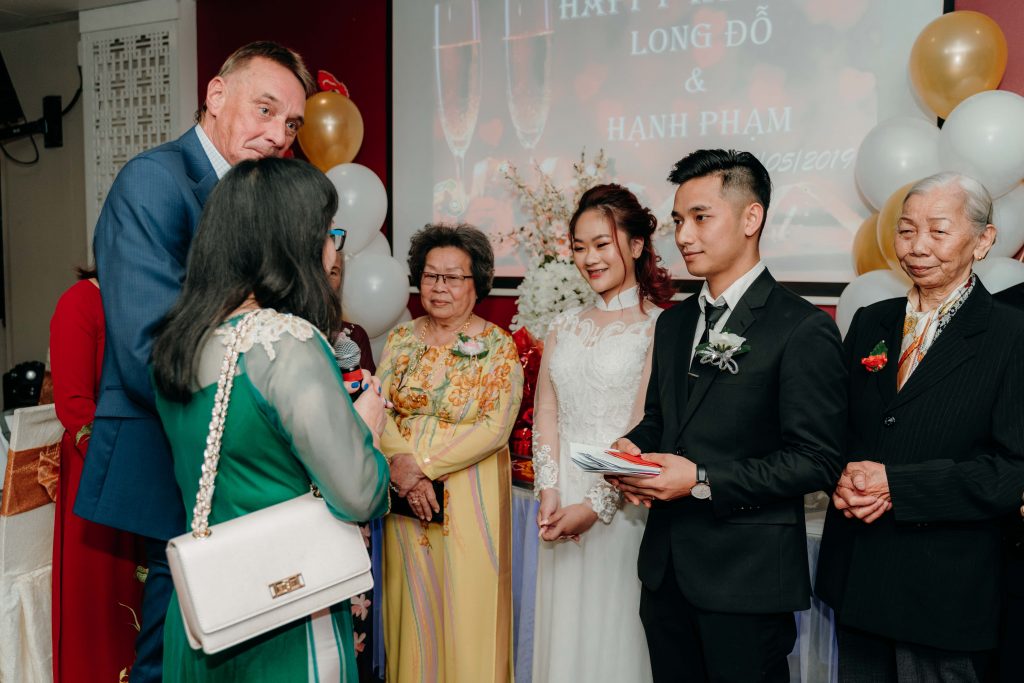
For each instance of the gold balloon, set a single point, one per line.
(888, 217)
(866, 254)
(332, 132)
(958, 55)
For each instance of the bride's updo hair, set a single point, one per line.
(627, 214)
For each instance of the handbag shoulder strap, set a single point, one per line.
(211, 454)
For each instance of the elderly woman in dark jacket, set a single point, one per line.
(910, 558)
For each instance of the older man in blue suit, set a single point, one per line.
(253, 109)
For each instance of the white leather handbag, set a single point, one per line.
(247, 576)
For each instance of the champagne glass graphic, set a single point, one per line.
(528, 62)
(457, 61)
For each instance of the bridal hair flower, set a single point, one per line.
(877, 359)
(720, 350)
(467, 347)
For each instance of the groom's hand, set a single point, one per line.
(678, 476)
(626, 446)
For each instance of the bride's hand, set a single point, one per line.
(569, 522)
(548, 506)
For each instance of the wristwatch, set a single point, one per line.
(702, 489)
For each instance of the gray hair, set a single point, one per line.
(977, 200)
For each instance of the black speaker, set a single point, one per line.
(53, 124)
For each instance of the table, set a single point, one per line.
(813, 660)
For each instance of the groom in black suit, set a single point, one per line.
(741, 435)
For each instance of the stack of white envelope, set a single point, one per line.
(605, 461)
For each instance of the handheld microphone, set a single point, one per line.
(348, 356)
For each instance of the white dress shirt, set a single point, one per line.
(217, 160)
(730, 296)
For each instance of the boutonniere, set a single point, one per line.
(466, 347)
(720, 350)
(877, 359)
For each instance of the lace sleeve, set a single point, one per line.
(545, 424)
(604, 500)
(296, 376)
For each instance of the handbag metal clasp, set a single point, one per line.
(285, 586)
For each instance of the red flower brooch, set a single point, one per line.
(877, 359)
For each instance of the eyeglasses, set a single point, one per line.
(338, 235)
(453, 281)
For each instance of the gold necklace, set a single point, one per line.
(429, 321)
(422, 337)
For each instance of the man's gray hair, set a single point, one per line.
(977, 200)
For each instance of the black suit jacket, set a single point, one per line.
(767, 435)
(952, 442)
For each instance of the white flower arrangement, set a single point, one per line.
(548, 289)
(552, 283)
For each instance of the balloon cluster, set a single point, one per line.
(375, 289)
(955, 64)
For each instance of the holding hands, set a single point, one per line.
(409, 482)
(863, 491)
(557, 523)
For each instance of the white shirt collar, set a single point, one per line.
(624, 299)
(734, 292)
(217, 160)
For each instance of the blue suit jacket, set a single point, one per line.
(141, 245)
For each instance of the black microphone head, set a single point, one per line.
(347, 352)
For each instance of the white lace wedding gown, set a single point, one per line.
(591, 388)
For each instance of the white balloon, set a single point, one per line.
(362, 204)
(868, 289)
(377, 346)
(984, 138)
(1008, 217)
(999, 273)
(897, 151)
(375, 291)
(378, 245)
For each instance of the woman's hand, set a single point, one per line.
(548, 506)
(405, 473)
(569, 522)
(363, 383)
(422, 500)
(372, 406)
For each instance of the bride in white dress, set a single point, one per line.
(591, 387)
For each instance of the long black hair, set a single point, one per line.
(262, 232)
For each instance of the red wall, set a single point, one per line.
(1009, 14)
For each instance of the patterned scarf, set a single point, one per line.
(920, 330)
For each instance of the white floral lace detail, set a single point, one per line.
(596, 371)
(267, 330)
(545, 469)
(604, 500)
